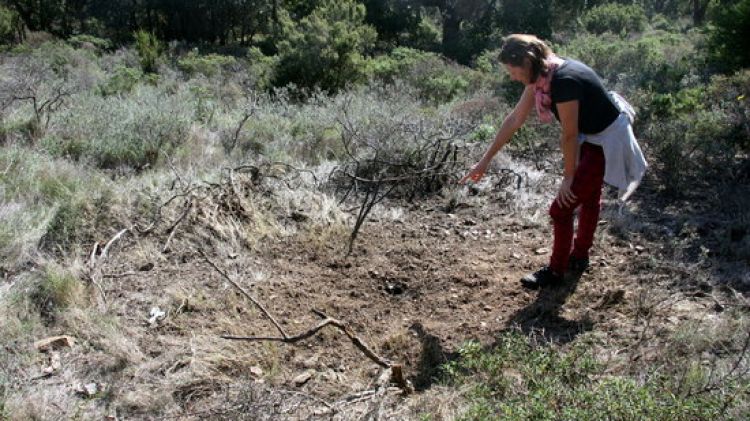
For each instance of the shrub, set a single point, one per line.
(21, 228)
(690, 147)
(10, 25)
(207, 65)
(131, 131)
(325, 49)
(658, 61)
(149, 50)
(436, 79)
(426, 35)
(519, 379)
(122, 81)
(56, 289)
(37, 193)
(261, 68)
(732, 95)
(615, 17)
(699, 132)
(729, 35)
(90, 41)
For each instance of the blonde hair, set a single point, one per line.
(519, 47)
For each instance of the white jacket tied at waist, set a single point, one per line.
(624, 162)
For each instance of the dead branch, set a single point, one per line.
(392, 371)
(92, 256)
(312, 331)
(248, 112)
(112, 241)
(246, 294)
(240, 198)
(10, 165)
(173, 228)
(95, 266)
(157, 213)
(118, 275)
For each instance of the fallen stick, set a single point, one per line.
(173, 228)
(246, 294)
(312, 331)
(110, 242)
(95, 266)
(392, 371)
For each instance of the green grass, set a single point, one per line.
(49, 202)
(521, 380)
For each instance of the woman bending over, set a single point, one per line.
(597, 144)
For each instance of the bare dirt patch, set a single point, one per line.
(420, 282)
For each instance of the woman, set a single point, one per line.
(597, 144)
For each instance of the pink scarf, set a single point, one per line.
(542, 97)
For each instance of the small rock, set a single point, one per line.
(55, 364)
(147, 267)
(516, 256)
(299, 217)
(487, 308)
(321, 411)
(610, 298)
(88, 389)
(256, 371)
(718, 307)
(302, 378)
(54, 342)
(311, 362)
(542, 250)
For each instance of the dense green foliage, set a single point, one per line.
(9, 25)
(730, 33)
(149, 49)
(614, 17)
(325, 48)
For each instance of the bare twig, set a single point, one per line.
(173, 228)
(7, 168)
(92, 256)
(118, 275)
(95, 262)
(394, 371)
(359, 343)
(246, 294)
(112, 241)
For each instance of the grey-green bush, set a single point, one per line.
(615, 17)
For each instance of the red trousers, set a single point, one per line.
(587, 186)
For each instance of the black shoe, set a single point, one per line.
(576, 267)
(541, 278)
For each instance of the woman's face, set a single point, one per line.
(520, 73)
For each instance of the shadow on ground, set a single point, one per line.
(543, 315)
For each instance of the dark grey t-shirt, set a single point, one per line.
(575, 80)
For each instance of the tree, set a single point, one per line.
(11, 27)
(325, 49)
(729, 35)
(392, 18)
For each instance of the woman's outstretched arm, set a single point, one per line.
(512, 122)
